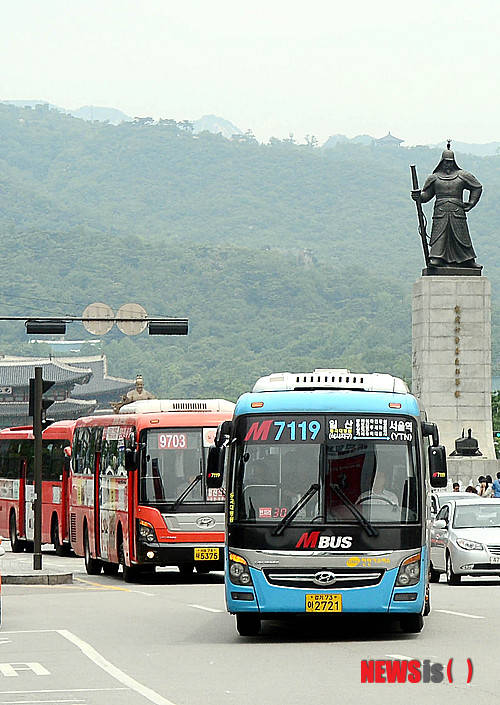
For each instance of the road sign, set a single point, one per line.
(132, 311)
(98, 310)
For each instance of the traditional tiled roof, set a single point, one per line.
(389, 139)
(100, 382)
(16, 372)
(66, 409)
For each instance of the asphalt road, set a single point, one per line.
(169, 641)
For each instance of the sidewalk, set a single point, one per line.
(17, 569)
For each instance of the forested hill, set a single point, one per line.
(199, 226)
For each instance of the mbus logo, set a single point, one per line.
(411, 671)
(314, 539)
(259, 431)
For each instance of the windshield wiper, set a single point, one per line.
(369, 528)
(180, 499)
(295, 510)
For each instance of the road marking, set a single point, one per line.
(461, 614)
(48, 702)
(10, 670)
(114, 587)
(59, 690)
(113, 671)
(206, 609)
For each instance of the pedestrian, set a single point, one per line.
(485, 489)
(480, 480)
(496, 486)
(456, 487)
(471, 489)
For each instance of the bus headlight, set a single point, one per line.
(146, 531)
(409, 571)
(239, 572)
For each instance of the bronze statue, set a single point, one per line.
(450, 242)
(136, 394)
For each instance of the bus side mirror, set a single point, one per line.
(223, 434)
(437, 466)
(430, 429)
(130, 459)
(215, 468)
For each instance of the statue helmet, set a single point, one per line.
(447, 156)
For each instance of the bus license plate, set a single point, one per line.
(206, 554)
(323, 603)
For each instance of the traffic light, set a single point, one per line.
(46, 385)
(496, 434)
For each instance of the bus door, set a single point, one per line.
(29, 496)
(113, 495)
(97, 492)
(21, 474)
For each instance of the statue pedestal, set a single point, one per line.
(451, 331)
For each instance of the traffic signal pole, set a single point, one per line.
(37, 504)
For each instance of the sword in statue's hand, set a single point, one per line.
(416, 195)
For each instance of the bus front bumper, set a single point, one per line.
(160, 554)
(383, 598)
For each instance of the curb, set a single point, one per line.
(33, 579)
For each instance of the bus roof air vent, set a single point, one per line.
(331, 379)
(156, 406)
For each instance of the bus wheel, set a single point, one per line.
(16, 545)
(92, 565)
(60, 549)
(411, 623)
(248, 624)
(110, 568)
(202, 569)
(131, 573)
(186, 569)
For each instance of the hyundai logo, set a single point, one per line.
(325, 577)
(205, 522)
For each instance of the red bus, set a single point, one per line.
(17, 485)
(138, 493)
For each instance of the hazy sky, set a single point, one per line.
(423, 70)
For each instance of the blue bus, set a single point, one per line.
(327, 483)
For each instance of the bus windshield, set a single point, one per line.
(354, 462)
(174, 458)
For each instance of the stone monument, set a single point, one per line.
(451, 324)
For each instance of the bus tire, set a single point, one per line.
(110, 568)
(92, 565)
(131, 573)
(59, 548)
(248, 624)
(186, 569)
(16, 544)
(411, 623)
(203, 569)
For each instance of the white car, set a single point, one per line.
(465, 539)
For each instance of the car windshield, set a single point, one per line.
(477, 516)
(278, 460)
(173, 460)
